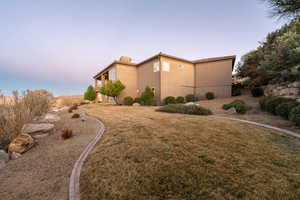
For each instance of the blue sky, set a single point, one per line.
(59, 45)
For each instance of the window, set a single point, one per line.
(156, 67)
(166, 66)
(112, 74)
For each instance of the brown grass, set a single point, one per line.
(68, 100)
(20, 110)
(150, 155)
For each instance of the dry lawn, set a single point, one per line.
(151, 155)
(255, 114)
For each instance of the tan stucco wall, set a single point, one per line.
(147, 77)
(213, 77)
(127, 74)
(179, 81)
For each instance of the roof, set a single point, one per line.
(205, 60)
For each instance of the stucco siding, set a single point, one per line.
(178, 80)
(147, 77)
(213, 77)
(127, 74)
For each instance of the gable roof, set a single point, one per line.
(170, 56)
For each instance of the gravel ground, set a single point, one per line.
(43, 172)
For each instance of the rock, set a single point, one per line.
(60, 109)
(15, 155)
(38, 130)
(190, 103)
(3, 158)
(21, 144)
(49, 117)
(136, 104)
(231, 111)
(296, 84)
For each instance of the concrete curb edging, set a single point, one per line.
(291, 133)
(74, 190)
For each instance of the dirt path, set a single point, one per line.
(44, 171)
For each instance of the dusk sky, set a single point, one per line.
(59, 45)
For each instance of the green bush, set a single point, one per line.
(190, 98)
(210, 95)
(241, 108)
(90, 94)
(233, 104)
(147, 97)
(185, 109)
(257, 92)
(236, 92)
(138, 100)
(128, 101)
(294, 115)
(284, 109)
(263, 102)
(272, 103)
(180, 99)
(169, 100)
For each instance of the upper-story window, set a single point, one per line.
(165, 66)
(156, 67)
(112, 74)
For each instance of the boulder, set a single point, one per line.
(136, 104)
(49, 117)
(38, 130)
(21, 144)
(3, 158)
(231, 111)
(189, 103)
(15, 155)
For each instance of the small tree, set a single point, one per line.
(90, 94)
(148, 96)
(112, 89)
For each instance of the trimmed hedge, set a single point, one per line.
(189, 98)
(257, 92)
(169, 100)
(185, 109)
(284, 109)
(294, 115)
(271, 104)
(210, 95)
(128, 101)
(233, 104)
(180, 99)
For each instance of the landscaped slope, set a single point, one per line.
(150, 155)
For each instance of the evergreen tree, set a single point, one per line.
(90, 94)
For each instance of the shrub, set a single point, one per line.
(128, 101)
(180, 99)
(75, 115)
(138, 100)
(20, 109)
(169, 100)
(233, 104)
(66, 133)
(263, 102)
(210, 95)
(147, 97)
(294, 115)
(73, 107)
(185, 109)
(284, 109)
(236, 90)
(83, 103)
(257, 92)
(241, 108)
(190, 98)
(90, 93)
(272, 103)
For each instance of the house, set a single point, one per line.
(170, 76)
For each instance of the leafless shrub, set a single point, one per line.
(20, 110)
(66, 133)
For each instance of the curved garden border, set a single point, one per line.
(74, 190)
(291, 133)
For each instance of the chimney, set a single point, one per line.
(125, 59)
